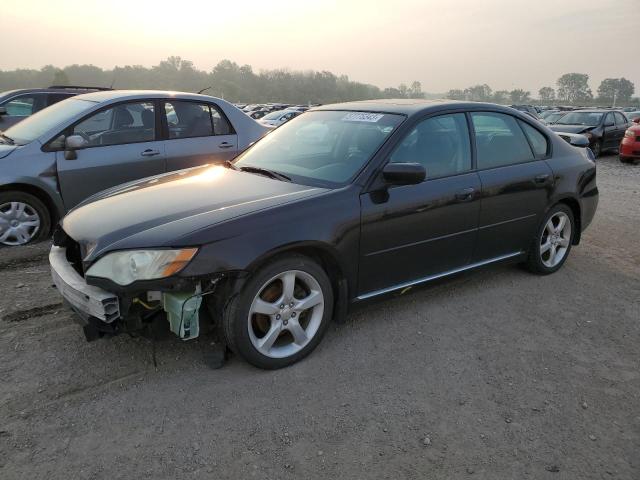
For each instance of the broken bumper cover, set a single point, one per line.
(86, 300)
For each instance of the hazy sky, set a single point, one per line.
(442, 43)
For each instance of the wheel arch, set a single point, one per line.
(574, 205)
(328, 258)
(54, 212)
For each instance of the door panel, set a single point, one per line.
(513, 199)
(190, 152)
(414, 231)
(99, 168)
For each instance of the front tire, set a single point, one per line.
(552, 244)
(281, 313)
(596, 148)
(24, 219)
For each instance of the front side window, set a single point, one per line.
(499, 140)
(609, 121)
(191, 119)
(125, 123)
(441, 144)
(325, 148)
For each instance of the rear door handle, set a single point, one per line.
(542, 179)
(225, 145)
(465, 195)
(149, 152)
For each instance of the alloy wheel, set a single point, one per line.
(19, 223)
(286, 314)
(555, 239)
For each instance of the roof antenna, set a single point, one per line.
(113, 80)
(205, 89)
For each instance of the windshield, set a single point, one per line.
(273, 116)
(590, 119)
(32, 127)
(326, 148)
(554, 117)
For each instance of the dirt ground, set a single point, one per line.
(493, 374)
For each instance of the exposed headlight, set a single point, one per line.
(129, 266)
(629, 133)
(588, 135)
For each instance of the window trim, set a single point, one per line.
(534, 159)
(165, 123)
(65, 131)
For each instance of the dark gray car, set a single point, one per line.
(65, 153)
(16, 105)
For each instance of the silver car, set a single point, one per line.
(65, 153)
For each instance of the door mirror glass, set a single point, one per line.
(3, 111)
(608, 123)
(635, 120)
(404, 173)
(75, 142)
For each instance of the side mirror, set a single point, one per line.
(404, 173)
(71, 144)
(609, 124)
(636, 120)
(3, 110)
(575, 139)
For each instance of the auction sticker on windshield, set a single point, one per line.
(362, 117)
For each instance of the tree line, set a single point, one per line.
(233, 82)
(572, 89)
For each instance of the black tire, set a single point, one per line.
(596, 148)
(235, 320)
(627, 160)
(36, 204)
(534, 261)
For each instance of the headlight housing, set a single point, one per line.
(629, 133)
(129, 266)
(588, 135)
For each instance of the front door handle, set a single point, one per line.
(150, 152)
(465, 195)
(225, 145)
(542, 179)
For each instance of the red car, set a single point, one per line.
(630, 144)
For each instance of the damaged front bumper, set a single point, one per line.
(86, 300)
(102, 312)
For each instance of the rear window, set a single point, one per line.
(499, 140)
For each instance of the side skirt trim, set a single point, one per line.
(411, 283)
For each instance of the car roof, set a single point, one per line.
(55, 89)
(110, 95)
(410, 107)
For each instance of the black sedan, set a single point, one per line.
(604, 128)
(341, 205)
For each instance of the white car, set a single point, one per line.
(275, 119)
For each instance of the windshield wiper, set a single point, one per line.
(9, 140)
(268, 173)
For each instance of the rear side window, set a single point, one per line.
(190, 119)
(537, 140)
(499, 140)
(621, 119)
(25, 105)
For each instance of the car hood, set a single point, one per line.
(158, 211)
(570, 128)
(6, 149)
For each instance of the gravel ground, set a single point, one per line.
(492, 374)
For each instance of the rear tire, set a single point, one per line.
(24, 219)
(281, 313)
(627, 160)
(551, 246)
